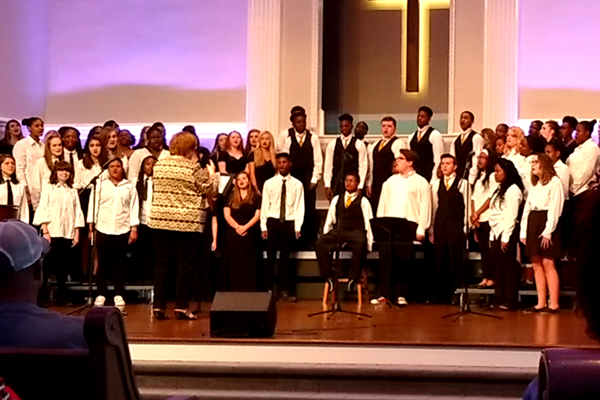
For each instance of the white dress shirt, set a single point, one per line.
(396, 147)
(84, 176)
(135, 162)
(271, 201)
(549, 197)
(437, 144)
(67, 156)
(482, 193)
(40, 177)
(462, 188)
(583, 163)
(145, 205)
(503, 215)
(117, 207)
(60, 209)
(522, 165)
(26, 152)
(407, 197)
(367, 216)
(563, 173)
(286, 143)
(363, 160)
(19, 198)
(478, 144)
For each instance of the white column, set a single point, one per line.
(500, 90)
(263, 64)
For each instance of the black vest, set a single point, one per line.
(352, 217)
(450, 214)
(382, 162)
(302, 157)
(424, 149)
(462, 150)
(350, 164)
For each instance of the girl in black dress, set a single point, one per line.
(261, 162)
(252, 141)
(12, 134)
(218, 148)
(239, 255)
(233, 159)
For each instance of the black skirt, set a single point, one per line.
(536, 223)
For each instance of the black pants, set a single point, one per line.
(310, 226)
(375, 195)
(175, 251)
(483, 240)
(112, 255)
(60, 260)
(448, 246)
(143, 255)
(396, 261)
(281, 237)
(356, 241)
(507, 272)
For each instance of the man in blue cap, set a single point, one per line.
(24, 324)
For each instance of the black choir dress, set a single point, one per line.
(240, 254)
(232, 164)
(263, 172)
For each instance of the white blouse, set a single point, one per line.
(40, 177)
(550, 198)
(117, 207)
(19, 198)
(59, 208)
(563, 173)
(523, 167)
(135, 162)
(503, 215)
(145, 205)
(84, 176)
(482, 192)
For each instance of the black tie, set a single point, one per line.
(282, 204)
(9, 194)
(71, 159)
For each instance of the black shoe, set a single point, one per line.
(160, 314)
(534, 310)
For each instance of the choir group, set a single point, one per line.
(518, 195)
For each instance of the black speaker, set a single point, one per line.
(243, 314)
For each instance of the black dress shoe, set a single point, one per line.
(534, 310)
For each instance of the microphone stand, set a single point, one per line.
(90, 302)
(336, 307)
(466, 307)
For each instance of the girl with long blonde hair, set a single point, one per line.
(512, 152)
(262, 161)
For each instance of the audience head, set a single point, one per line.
(235, 141)
(184, 144)
(489, 136)
(542, 169)
(21, 254)
(514, 138)
(298, 120)
(70, 138)
(466, 120)
(116, 171)
(502, 129)
(35, 126)
(155, 139)
(404, 162)
(388, 126)
(63, 173)
(351, 182)
(252, 140)
(361, 129)
(584, 131)
(12, 131)
(424, 116)
(220, 143)
(550, 130)
(8, 168)
(346, 121)
(284, 164)
(535, 127)
(554, 149)
(448, 164)
(569, 124)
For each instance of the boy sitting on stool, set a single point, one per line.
(349, 218)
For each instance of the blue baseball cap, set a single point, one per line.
(21, 245)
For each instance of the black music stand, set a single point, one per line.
(392, 230)
(466, 308)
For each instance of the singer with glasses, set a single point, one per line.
(281, 217)
(12, 193)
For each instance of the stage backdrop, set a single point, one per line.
(558, 59)
(139, 61)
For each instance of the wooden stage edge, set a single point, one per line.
(414, 325)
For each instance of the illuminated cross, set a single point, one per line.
(415, 38)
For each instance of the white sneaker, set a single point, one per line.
(99, 302)
(379, 300)
(119, 302)
(402, 301)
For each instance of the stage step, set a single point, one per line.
(328, 381)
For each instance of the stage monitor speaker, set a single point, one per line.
(243, 314)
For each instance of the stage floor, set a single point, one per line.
(415, 325)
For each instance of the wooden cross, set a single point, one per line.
(415, 34)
